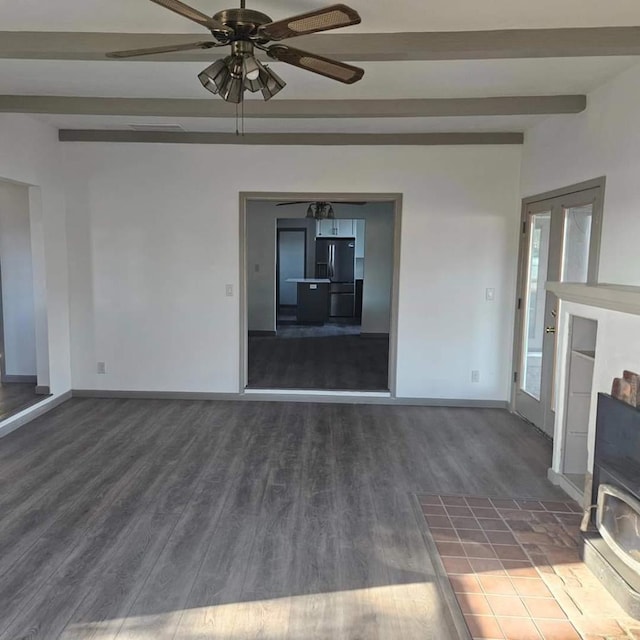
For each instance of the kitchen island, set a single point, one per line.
(313, 300)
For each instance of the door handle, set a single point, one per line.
(550, 330)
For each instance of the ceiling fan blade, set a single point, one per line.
(168, 49)
(286, 204)
(333, 17)
(193, 14)
(327, 67)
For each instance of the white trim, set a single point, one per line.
(395, 199)
(31, 413)
(319, 392)
(560, 481)
(604, 296)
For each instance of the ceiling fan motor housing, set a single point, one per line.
(244, 22)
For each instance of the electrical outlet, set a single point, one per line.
(229, 290)
(475, 376)
(490, 294)
(102, 368)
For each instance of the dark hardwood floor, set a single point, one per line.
(296, 360)
(142, 519)
(15, 397)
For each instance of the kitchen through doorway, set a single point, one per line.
(319, 294)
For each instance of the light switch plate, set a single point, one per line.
(490, 294)
(229, 290)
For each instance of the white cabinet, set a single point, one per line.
(335, 228)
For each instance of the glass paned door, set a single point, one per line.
(577, 239)
(558, 244)
(534, 303)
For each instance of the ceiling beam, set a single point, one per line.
(322, 139)
(217, 108)
(451, 45)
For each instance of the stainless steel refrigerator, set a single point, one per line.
(335, 260)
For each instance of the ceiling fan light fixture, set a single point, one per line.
(234, 64)
(251, 68)
(330, 213)
(252, 85)
(310, 212)
(213, 78)
(233, 90)
(272, 83)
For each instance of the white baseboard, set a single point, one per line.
(560, 481)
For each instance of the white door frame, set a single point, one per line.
(594, 261)
(322, 196)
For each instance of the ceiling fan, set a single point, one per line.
(318, 210)
(245, 30)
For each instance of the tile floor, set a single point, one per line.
(516, 573)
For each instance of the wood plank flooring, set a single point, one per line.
(15, 397)
(328, 362)
(142, 519)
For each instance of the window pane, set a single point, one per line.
(577, 236)
(539, 227)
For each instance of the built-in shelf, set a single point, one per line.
(589, 355)
(581, 361)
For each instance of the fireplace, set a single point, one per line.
(618, 522)
(612, 543)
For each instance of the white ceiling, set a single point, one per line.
(382, 80)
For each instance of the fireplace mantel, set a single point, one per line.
(605, 296)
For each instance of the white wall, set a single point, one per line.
(376, 298)
(261, 265)
(18, 311)
(154, 239)
(378, 266)
(604, 140)
(30, 154)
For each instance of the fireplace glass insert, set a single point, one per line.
(618, 521)
(612, 541)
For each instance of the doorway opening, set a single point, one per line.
(18, 350)
(319, 295)
(560, 243)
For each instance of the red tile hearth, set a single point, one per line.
(515, 570)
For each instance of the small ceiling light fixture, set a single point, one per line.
(230, 76)
(320, 211)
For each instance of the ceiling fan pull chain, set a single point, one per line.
(237, 132)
